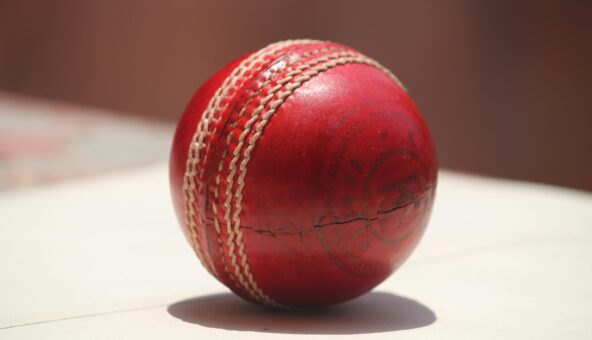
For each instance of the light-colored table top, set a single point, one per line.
(103, 258)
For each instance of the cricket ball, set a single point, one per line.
(302, 174)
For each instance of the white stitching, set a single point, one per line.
(196, 145)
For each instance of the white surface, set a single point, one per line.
(103, 258)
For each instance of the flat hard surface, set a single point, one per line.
(103, 258)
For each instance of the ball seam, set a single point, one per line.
(202, 128)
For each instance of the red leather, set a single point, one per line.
(339, 187)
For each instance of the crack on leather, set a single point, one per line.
(301, 233)
(379, 214)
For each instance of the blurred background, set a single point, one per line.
(505, 86)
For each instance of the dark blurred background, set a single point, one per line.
(506, 86)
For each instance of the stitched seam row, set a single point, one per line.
(189, 182)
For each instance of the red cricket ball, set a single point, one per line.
(302, 174)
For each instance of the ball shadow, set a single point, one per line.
(372, 313)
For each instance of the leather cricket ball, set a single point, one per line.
(302, 174)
